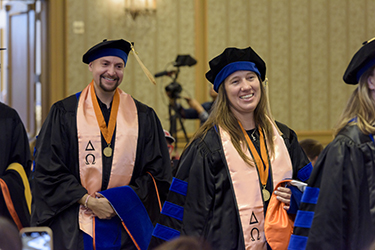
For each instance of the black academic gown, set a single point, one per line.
(14, 148)
(56, 180)
(210, 208)
(344, 215)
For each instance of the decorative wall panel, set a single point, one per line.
(158, 39)
(279, 60)
(319, 65)
(306, 45)
(300, 99)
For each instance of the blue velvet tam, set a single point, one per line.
(232, 60)
(119, 48)
(362, 61)
(231, 68)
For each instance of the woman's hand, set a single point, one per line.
(284, 194)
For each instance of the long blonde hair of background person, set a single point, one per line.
(360, 105)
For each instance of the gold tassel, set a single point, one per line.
(372, 39)
(268, 96)
(270, 116)
(145, 70)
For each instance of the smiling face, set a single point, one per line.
(107, 72)
(244, 93)
(371, 84)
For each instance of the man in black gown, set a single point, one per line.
(94, 147)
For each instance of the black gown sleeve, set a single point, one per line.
(194, 163)
(152, 159)
(14, 143)
(336, 203)
(14, 148)
(55, 184)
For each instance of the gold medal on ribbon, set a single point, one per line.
(107, 131)
(266, 194)
(107, 151)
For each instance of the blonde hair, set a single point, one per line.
(360, 105)
(222, 116)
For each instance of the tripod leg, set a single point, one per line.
(172, 124)
(183, 129)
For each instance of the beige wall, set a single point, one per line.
(158, 39)
(306, 45)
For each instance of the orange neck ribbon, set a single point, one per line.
(263, 172)
(107, 132)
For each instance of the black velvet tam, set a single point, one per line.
(363, 60)
(231, 55)
(119, 48)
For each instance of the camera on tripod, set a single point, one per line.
(173, 91)
(174, 88)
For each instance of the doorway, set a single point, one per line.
(25, 63)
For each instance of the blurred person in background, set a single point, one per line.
(15, 168)
(312, 148)
(338, 205)
(10, 238)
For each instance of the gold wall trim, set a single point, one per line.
(201, 49)
(55, 89)
(323, 136)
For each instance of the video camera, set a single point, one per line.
(174, 88)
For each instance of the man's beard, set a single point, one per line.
(108, 89)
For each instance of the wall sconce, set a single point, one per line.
(140, 7)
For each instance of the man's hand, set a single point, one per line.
(100, 207)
